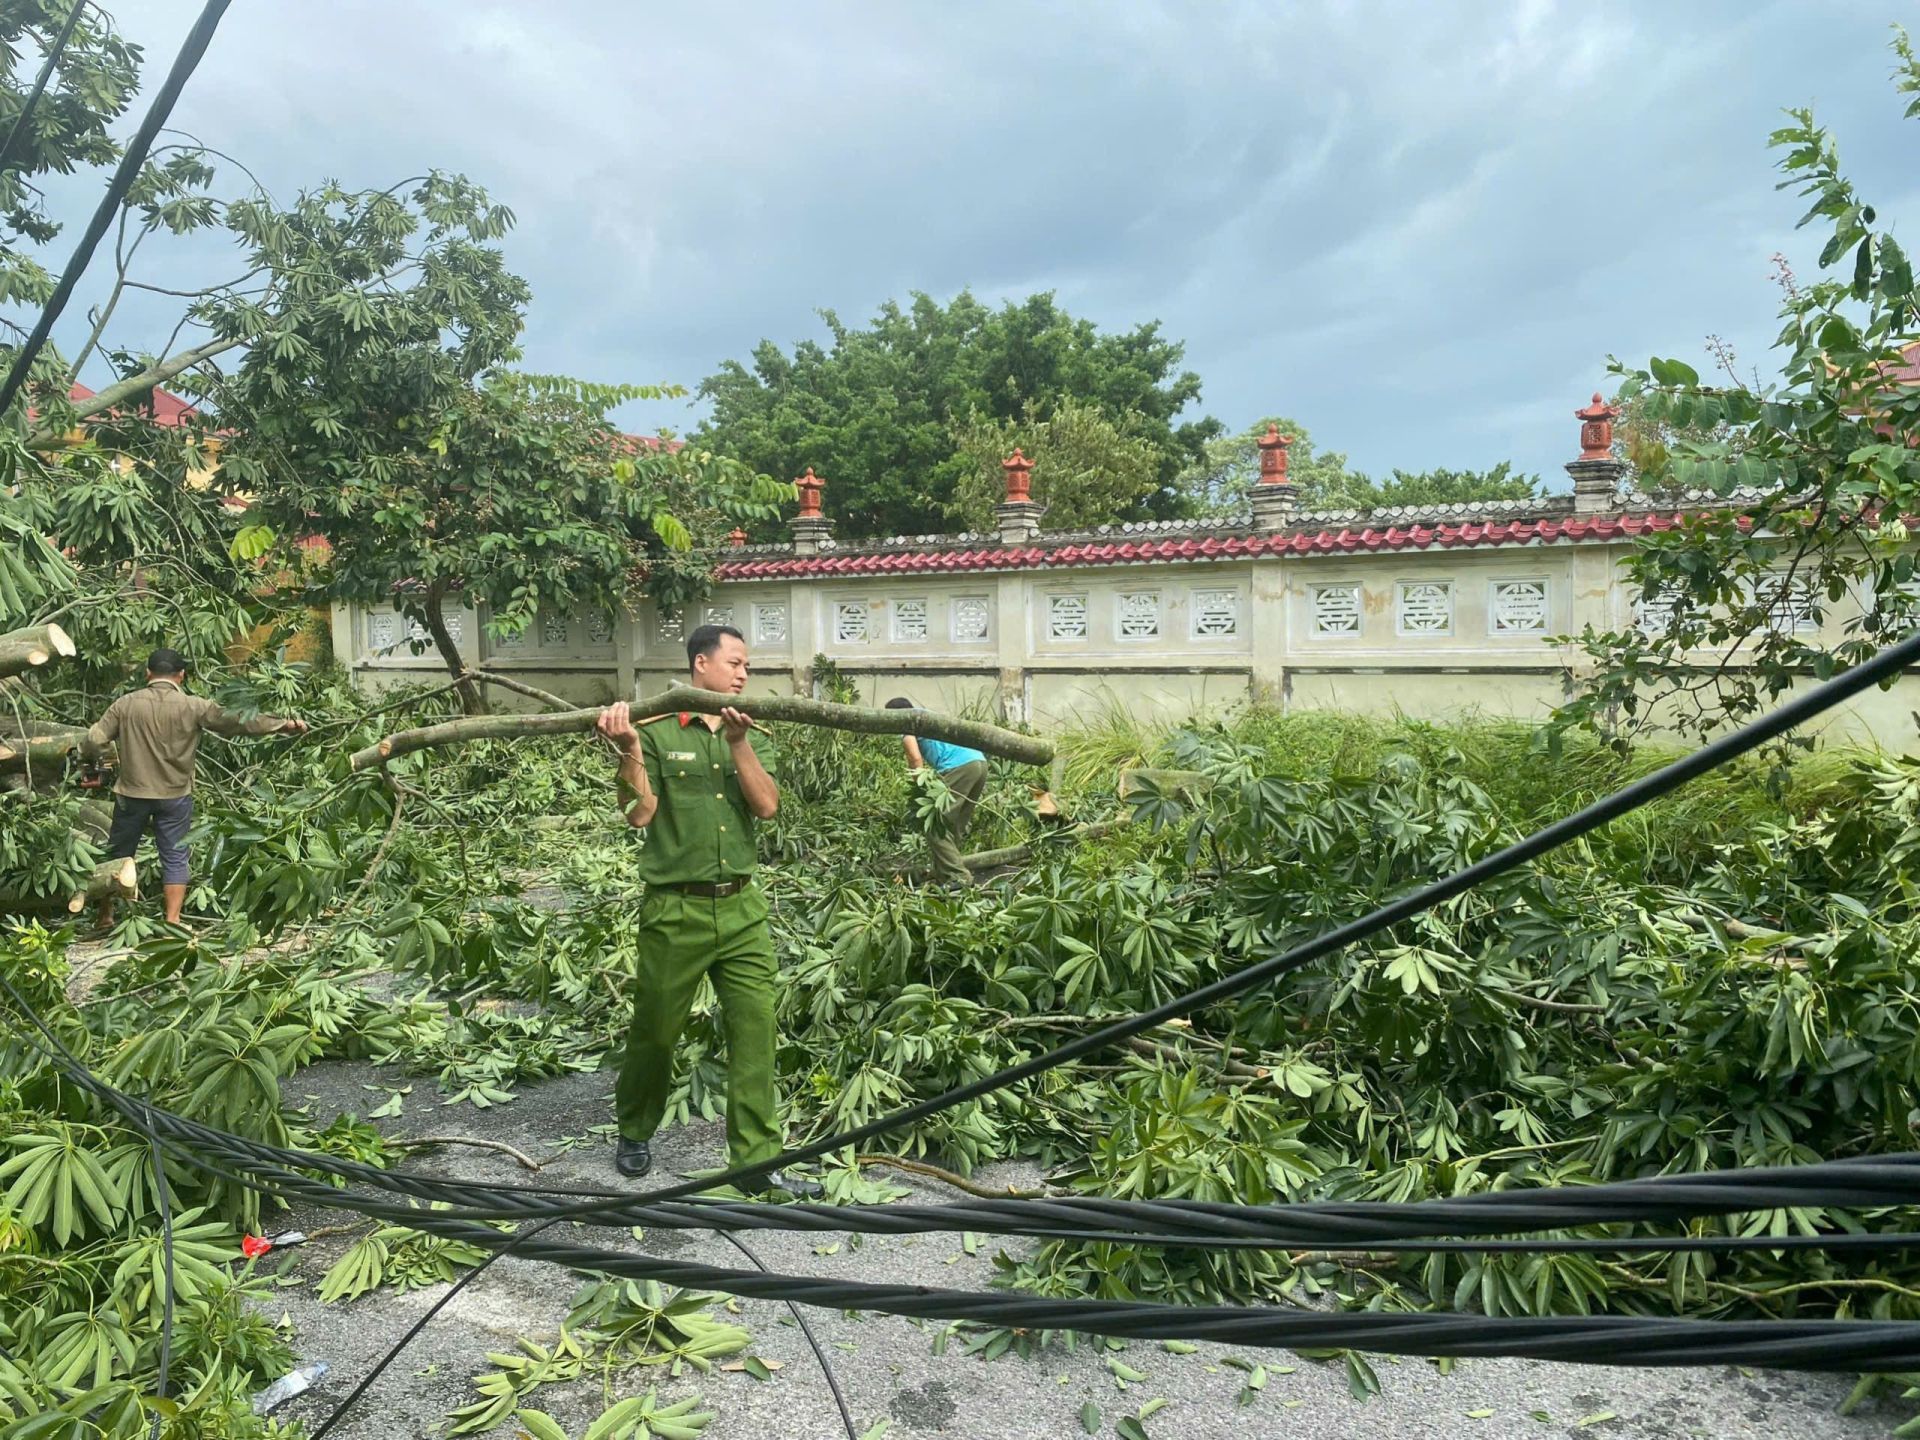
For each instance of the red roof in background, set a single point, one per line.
(1346, 540)
(166, 408)
(647, 442)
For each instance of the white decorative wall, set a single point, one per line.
(1428, 631)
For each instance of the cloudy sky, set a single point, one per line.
(1418, 228)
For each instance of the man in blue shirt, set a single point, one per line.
(964, 772)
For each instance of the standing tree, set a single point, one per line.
(515, 494)
(1817, 471)
(1087, 468)
(876, 409)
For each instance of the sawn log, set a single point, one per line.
(22, 650)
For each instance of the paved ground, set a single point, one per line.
(896, 1386)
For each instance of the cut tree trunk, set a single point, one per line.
(781, 709)
(22, 650)
(94, 820)
(111, 880)
(23, 754)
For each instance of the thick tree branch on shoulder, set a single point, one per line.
(781, 709)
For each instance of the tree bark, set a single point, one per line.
(520, 687)
(781, 709)
(28, 649)
(1020, 854)
(123, 390)
(94, 820)
(472, 699)
(21, 754)
(111, 880)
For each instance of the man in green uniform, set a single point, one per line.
(697, 784)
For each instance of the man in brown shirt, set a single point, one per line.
(158, 731)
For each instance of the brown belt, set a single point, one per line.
(708, 891)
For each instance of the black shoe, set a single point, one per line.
(798, 1186)
(633, 1159)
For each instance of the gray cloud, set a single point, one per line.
(1418, 228)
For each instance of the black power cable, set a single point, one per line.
(1870, 1182)
(800, 1318)
(1874, 1182)
(191, 51)
(1388, 1226)
(1847, 1345)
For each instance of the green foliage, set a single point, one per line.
(1089, 468)
(1814, 469)
(614, 1326)
(1216, 486)
(634, 1418)
(398, 1257)
(884, 414)
(71, 127)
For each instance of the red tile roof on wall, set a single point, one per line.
(1346, 540)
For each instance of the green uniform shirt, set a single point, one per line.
(702, 832)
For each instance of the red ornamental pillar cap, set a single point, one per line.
(1273, 455)
(1019, 471)
(810, 486)
(1596, 428)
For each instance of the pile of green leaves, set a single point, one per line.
(1716, 981)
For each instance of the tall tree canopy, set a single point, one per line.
(382, 421)
(876, 410)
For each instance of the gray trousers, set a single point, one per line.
(168, 819)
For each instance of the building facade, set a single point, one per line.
(1432, 612)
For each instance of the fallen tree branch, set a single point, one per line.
(788, 709)
(22, 753)
(1231, 1070)
(520, 687)
(33, 647)
(122, 390)
(1020, 854)
(421, 1142)
(947, 1177)
(1742, 930)
(1534, 1002)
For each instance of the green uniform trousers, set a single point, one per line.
(966, 782)
(683, 937)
